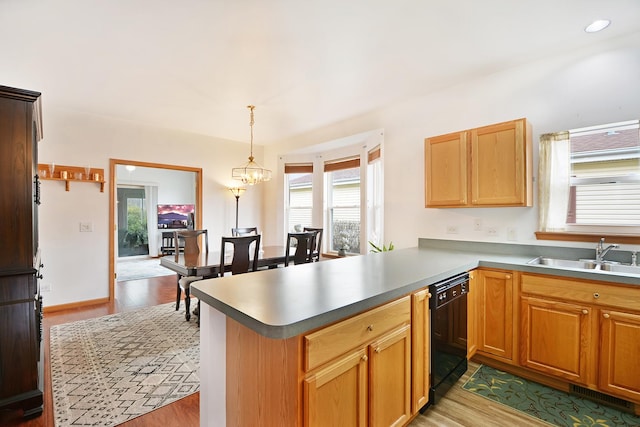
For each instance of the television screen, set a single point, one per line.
(175, 216)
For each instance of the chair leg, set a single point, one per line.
(198, 321)
(187, 303)
(179, 292)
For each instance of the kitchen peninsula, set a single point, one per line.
(259, 365)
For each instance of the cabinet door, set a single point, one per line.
(337, 395)
(446, 170)
(495, 315)
(472, 322)
(499, 169)
(421, 348)
(620, 346)
(556, 338)
(390, 379)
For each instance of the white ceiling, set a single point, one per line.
(195, 65)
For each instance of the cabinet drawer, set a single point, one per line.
(332, 341)
(584, 291)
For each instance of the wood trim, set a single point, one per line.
(373, 154)
(298, 168)
(342, 164)
(587, 237)
(112, 206)
(75, 305)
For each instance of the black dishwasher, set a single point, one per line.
(448, 334)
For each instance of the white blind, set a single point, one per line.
(608, 204)
(300, 197)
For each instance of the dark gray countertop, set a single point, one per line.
(285, 302)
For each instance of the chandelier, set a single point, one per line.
(251, 173)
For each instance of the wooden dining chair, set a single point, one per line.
(189, 239)
(241, 261)
(246, 231)
(302, 254)
(318, 246)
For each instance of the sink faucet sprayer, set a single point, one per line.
(601, 251)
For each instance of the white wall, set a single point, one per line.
(76, 264)
(581, 88)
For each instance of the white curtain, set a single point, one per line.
(553, 180)
(151, 198)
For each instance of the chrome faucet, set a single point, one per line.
(601, 251)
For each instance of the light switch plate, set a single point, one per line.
(86, 226)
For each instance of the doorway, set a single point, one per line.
(118, 208)
(133, 237)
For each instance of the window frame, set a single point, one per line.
(629, 234)
(331, 167)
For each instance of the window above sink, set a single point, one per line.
(590, 182)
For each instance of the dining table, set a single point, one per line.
(207, 264)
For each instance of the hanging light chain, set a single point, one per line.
(251, 122)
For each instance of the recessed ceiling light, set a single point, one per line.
(598, 25)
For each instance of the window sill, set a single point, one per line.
(588, 237)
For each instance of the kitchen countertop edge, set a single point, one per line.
(433, 261)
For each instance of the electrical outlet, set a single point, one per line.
(511, 234)
(452, 229)
(86, 226)
(46, 287)
(492, 231)
(477, 224)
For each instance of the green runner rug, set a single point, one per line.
(545, 403)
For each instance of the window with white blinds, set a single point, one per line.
(343, 204)
(605, 175)
(299, 180)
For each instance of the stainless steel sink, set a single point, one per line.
(621, 268)
(587, 264)
(564, 263)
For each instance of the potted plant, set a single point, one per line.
(376, 248)
(344, 243)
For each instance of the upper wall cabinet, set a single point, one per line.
(487, 166)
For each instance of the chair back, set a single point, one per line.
(189, 240)
(246, 231)
(302, 254)
(241, 262)
(318, 247)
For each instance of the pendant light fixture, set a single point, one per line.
(251, 173)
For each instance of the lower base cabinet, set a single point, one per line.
(494, 313)
(556, 338)
(585, 332)
(619, 372)
(420, 348)
(366, 386)
(337, 395)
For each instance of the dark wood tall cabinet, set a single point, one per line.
(21, 350)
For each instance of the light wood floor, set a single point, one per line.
(457, 408)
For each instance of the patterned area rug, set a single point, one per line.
(553, 406)
(111, 369)
(140, 268)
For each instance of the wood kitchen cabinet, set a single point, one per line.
(556, 338)
(446, 172)
(487, 166)
(583, 331)
(365, 385)
(472, 310)
(21, 352)
(619, 372)
(338, 394)
(421, 348)
(495, 313)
